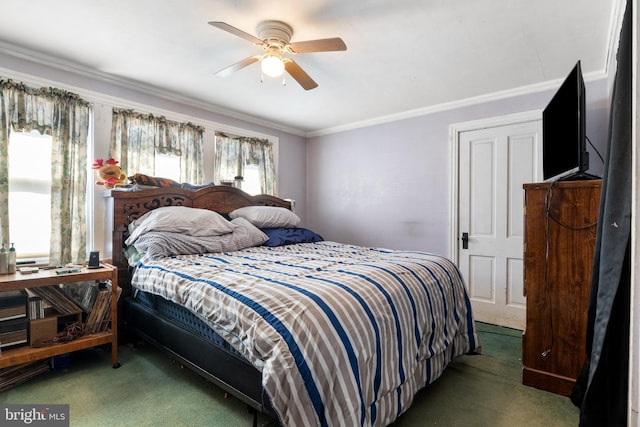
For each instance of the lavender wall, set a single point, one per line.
(388, 185)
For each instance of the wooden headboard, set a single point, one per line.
(123, 207)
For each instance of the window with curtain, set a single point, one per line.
(155, 146)
(250, 159)
(65, 119)
(30, 192)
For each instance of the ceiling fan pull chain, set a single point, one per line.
(284, 80)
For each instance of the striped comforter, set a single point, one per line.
(343, 335)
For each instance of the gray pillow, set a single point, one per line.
(267, 216)
(180, 219)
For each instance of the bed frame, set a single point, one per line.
(228, 371)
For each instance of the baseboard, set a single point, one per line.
(547, 381)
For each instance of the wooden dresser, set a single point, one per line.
(560, 224)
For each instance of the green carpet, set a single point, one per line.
(152, 390)
(486, 390)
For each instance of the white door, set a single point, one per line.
(494, 162)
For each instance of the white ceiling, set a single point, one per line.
(402, 55)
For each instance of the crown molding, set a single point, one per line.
(141, 88)
(467, 102)
(74, 68)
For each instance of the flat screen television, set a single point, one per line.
(564, 148)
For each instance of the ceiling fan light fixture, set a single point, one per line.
(272, 66)
(275, 39)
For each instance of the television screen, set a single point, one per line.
(564, 151)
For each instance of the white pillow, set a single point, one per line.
(181, 219)
(267, 216)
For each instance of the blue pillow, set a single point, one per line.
(288, 236)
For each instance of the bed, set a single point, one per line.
(308, 331)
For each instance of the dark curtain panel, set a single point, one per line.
(602, 389)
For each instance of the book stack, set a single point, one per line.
(100, 308)
(83, 293)
(106, 320)
(57, 299)
(36, 308)
(95, 300)
(13, 318)
(50, 310)
(14, 375)
(99, 318)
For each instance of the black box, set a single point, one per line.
(13, 298)
(13, 332)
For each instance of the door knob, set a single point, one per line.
(465, 240)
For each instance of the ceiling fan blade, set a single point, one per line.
(320, 45)
(235, 31)
(299, 74)
(238, 65)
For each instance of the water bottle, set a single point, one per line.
(4, 262)
(12, 260)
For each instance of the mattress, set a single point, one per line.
(182, 317)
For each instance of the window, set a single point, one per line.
(59, 162)
(251, 179)
(167, 166)
(30, 193)
(153, 145)
(249, 158)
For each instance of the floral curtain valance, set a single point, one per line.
(27, 108)
(136, 138)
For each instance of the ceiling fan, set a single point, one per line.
(275, 38)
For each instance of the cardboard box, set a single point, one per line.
(42, 330)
